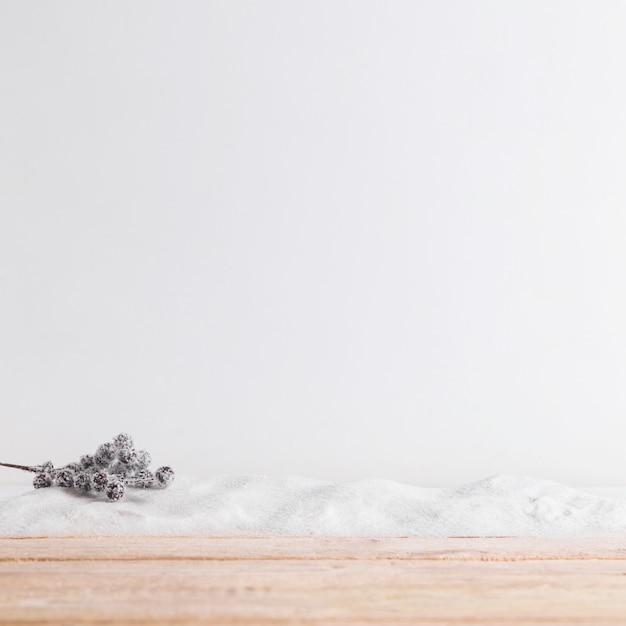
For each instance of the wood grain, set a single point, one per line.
(272, 580)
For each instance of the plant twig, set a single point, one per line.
(27, 468)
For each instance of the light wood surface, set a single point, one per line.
(271, 580)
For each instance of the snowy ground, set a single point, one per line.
(230, 505)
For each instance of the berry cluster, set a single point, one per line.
(113, 467)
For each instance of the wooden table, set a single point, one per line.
(271, 580)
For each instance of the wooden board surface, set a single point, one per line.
(256, 580)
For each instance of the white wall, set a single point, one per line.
(334, 238)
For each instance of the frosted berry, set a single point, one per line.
(123, 441)
(165, 475)
(86, 461)
(143, 459)
(82, 482)
(115, 490)
(142, 479)
(100, 481)
(64, 478)
(119, 469)
(128, 456)
(42, 480)
(104, 454)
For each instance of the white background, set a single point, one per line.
(333, 238)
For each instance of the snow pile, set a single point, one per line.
(262, 505)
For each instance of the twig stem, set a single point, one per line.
(27, 468)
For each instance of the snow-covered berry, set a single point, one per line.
(143, 459)
(123, 441)
(165, 475)
(119, 469)
(115, 490)
(43, 479)
(104, 454)
(83, 482)
(142, 479)
(100, 481)
(86, 461)
(127, 456)
(64, 478)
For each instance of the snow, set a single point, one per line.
(263, 505)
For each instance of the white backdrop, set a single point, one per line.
(332, 238)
